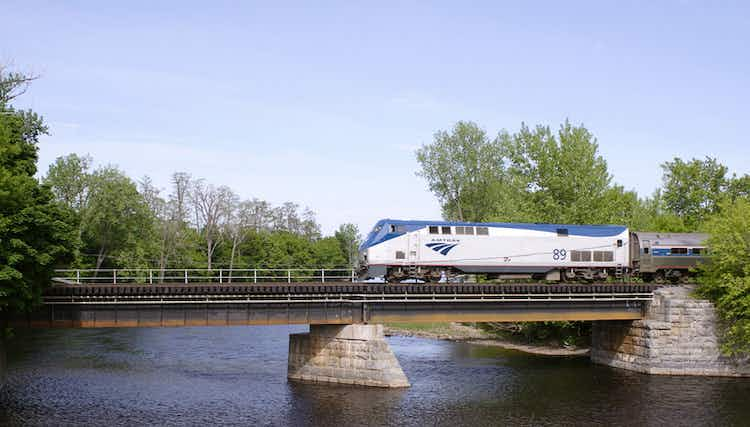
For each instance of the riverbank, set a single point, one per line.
(465, 333)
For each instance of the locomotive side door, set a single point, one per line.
(412, 255)
(646, 261)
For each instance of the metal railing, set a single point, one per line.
(152, 276)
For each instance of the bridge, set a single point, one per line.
(145, 298)
(346, 343)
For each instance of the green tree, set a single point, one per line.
(327, 253)
(726, 279)
(349, 239)
(460, 167)
(739, 187)
(693, 189)
(119, 227)
(36, 234)
(561, 175)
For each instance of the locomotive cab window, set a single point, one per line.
(619, 243)
(434, 229)
(645, 250)
(562, 232)
(446, 230)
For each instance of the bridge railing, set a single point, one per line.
(197, 275)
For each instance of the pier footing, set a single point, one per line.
(344, 354)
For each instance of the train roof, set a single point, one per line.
(573, 229)
(378, 235)
(673, 239)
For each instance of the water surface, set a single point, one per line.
(237, 375)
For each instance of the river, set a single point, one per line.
(237, 376)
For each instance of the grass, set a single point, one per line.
(435, 328)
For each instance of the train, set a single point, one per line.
(447, 251)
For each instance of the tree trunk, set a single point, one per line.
(231, 259)
(99, 260)
(209, 252)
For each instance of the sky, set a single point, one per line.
(324, 103)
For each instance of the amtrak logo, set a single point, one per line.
(442, 248)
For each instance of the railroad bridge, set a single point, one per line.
(346, 342)
(141, 298)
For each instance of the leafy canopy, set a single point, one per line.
(36, 234)
(726, 279)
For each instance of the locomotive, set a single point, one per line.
(444, 251)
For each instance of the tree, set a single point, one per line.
(327, 254)
(117, 220)
(212, 206)
(349, 239)
(239, 225)
(726, 279)
(739, 187)
(693, 189)
(460, 167)
(69, 179)
(561, 175)
(36, 233)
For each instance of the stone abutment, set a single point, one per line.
(677, 336)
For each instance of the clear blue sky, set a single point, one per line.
(324, 103)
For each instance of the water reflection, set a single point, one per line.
(237, 375)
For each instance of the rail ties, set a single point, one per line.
(109, 290)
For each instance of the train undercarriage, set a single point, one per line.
(444, 274)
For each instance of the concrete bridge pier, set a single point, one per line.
(344, 354)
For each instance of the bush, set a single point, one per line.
(726, 279)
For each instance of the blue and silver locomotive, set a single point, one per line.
(441, 250)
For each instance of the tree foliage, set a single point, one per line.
(693, 189)
(36, 234)
(460, 167)
(195, 225)
(726, 279)
(533, 175)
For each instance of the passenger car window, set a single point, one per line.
(678, 251)
(697, 251)
(483, 231)
(446, 230)
(434, 229)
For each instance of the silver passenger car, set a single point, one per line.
(667, 256)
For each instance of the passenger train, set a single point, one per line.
(442, 251)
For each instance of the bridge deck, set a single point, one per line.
(317, 303)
